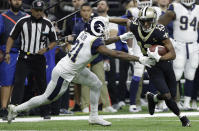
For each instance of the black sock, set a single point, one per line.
(173, 106)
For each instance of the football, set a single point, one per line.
(161, 49)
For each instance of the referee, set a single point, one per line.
(34, 30)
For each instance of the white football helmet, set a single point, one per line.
(188, 2)
(147, 14)
(143, 3)
(98, 27)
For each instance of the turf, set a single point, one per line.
(146, 124)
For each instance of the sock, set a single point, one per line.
(155, 98)
(133, 89)
(173, 106)
(188, 87)
(94, 98)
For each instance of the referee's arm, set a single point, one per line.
(53, 40)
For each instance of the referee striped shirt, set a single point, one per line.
(34, 33)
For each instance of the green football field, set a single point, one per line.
(144, 124)
(121, 121)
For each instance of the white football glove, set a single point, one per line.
(126, 36)
(107, 66)
(130, 51)
(154, 54)
(147, 61)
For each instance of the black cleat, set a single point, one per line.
(151, 103)
(185, 121)
(4, 114)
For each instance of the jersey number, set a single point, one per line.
(185, 22)
(76, 48)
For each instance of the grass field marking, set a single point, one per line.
(126, 116)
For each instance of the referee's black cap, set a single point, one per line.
(125, 1)
(38, 5)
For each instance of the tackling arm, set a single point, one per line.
(116, 54)
(120, 21)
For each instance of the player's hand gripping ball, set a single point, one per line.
(161, 49)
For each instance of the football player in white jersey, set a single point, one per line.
(134, 49)
(73, 68)
(185, 22)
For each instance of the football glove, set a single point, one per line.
(147, 61)
(130, 51)
(154, 54)
(107, 66)
(126, 36)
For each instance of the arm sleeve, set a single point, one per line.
(98, 42)
(52, 34)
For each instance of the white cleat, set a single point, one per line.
(85, 110)
(194, 105)
(134, 109)
(109, 109)
(11, 113)
(96, 120)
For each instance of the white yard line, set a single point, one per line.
(125, 116)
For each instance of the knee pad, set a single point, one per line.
(98, 84)
(178, 74)
(138, 69)
(166, 96)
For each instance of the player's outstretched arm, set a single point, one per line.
(120, 21)
(167, 18)
(170, 55)
(122, 37)
(125, 56)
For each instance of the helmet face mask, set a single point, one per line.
(147, 19)
(187, 2)
(144, 3)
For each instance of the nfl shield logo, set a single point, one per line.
(39, 3)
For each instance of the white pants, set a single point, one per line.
(58, 86)
(186, 60)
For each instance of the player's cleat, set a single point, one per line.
(185, 121)
(133, 109)
(109, 109)
(151, 103)
(11, 113)
(95, 120)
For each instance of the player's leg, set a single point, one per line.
(189, 73)
(98, 69)
(138, 72)
(179, 63)
(87, 78)
(54, 90)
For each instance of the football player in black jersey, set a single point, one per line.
(147, 33)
